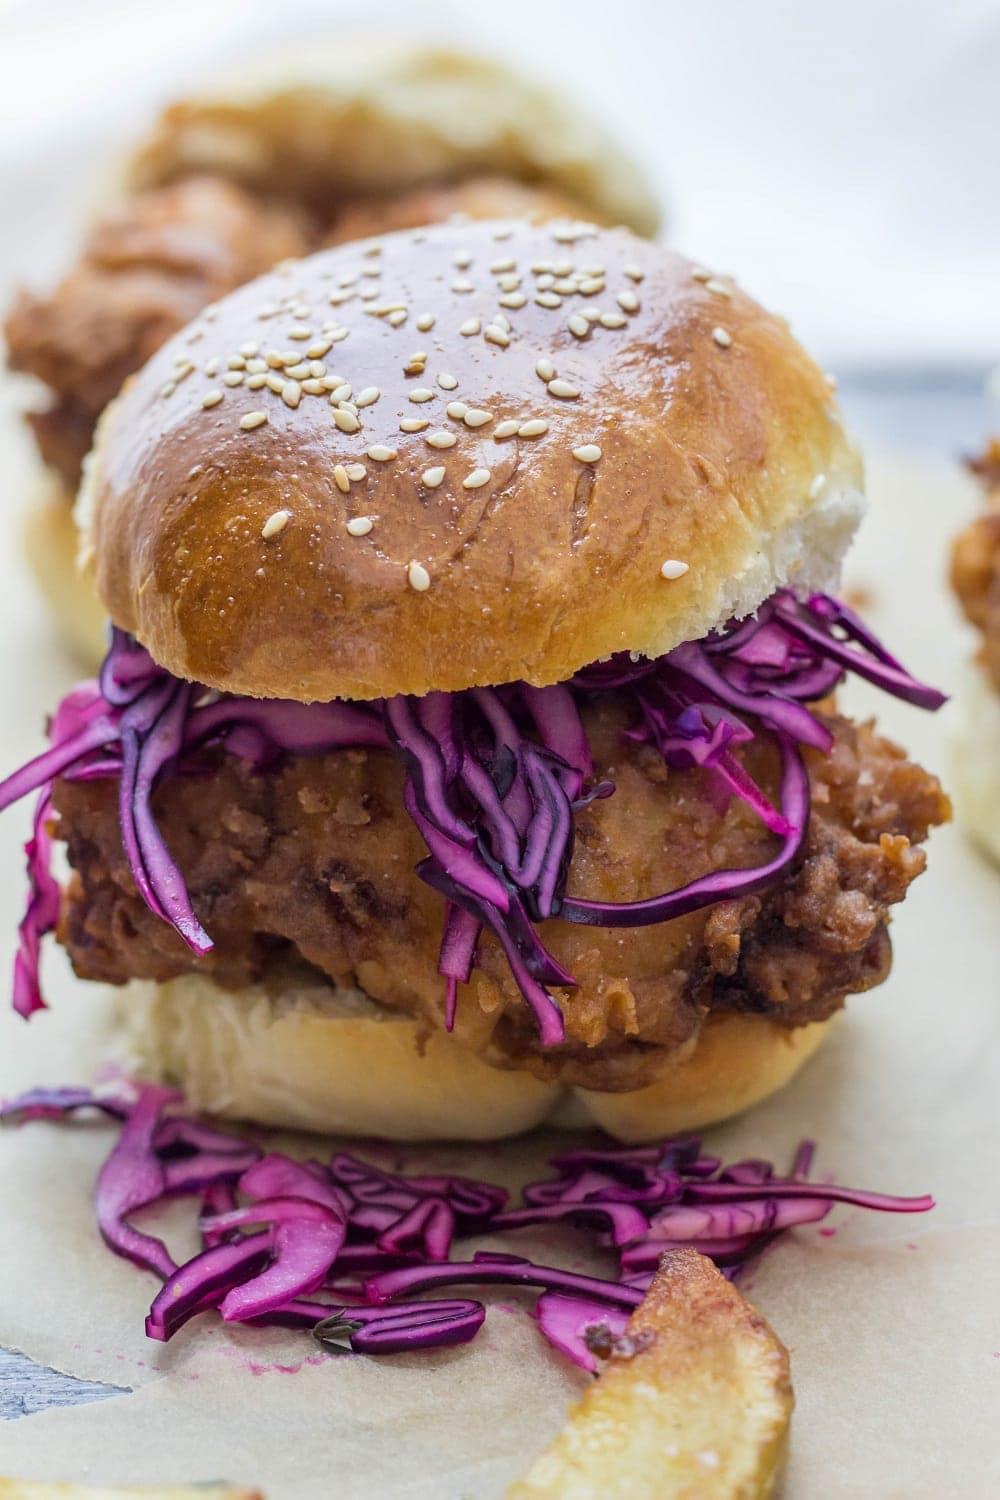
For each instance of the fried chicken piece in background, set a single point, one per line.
(975, 740)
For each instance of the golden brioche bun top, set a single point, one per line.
(538, 418)
(362, 115)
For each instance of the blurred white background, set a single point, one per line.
(843, 159)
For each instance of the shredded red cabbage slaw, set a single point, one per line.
(494, 776)
(342, 1249)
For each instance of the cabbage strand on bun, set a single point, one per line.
(466, 749)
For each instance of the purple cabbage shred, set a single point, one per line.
(494, 776)
(341, 1249)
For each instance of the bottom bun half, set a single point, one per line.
(975, 760)
(51, 542)
(301, 1056)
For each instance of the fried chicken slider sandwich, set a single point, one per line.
(466, 753)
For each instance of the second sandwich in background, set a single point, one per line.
(349, 139)
(975, 577)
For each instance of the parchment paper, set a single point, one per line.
(893, 1323)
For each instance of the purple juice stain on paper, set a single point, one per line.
(257, 1368)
